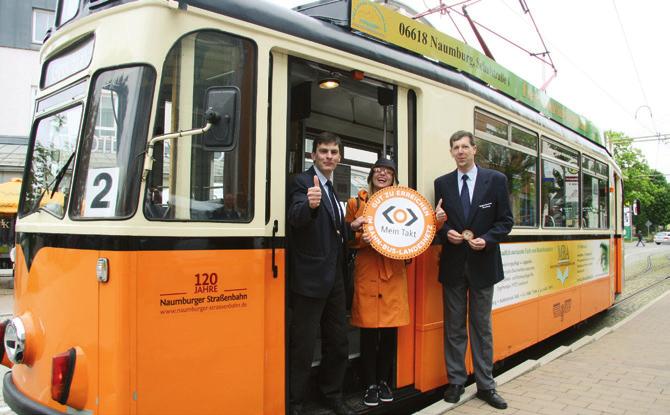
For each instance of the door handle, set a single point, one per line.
(275, 228)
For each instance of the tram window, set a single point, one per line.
(560, 152)
(524, 138)
(560, 195)
(490, 125)
(595, 194)
(113, 139)
(72, 60)
(50, 163)
(68, 9)
(521, 171)
(187, 181)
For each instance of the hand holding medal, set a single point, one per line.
(468, 235)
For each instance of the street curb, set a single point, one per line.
(441, 407)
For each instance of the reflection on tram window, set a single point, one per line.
(512, 150)
(50, 164)
(115, 130)
(595, 194)
(189, 182)
(491, 125)
(560, 195)
(521, 171)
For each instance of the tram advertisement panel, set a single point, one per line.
(534, 269)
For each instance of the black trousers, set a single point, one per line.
(378, 346)
(307, 315)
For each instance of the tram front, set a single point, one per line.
(147, 277)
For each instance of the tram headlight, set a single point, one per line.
(15, 340)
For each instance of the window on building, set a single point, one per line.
(42, 21)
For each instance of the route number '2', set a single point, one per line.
(102, 187)
(98, 201)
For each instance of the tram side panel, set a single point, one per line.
(550, 285)
(210, 328)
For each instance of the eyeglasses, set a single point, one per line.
(385, 170)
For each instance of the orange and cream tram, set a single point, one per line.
(150, 257)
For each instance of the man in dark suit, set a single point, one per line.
(317, 235)
(475, 204)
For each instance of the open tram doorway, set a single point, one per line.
(362, 112)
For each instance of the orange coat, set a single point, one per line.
(380, 283)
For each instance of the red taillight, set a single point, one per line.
(3, 325)
(62, 369)
(4, 359)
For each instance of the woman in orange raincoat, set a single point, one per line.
(380, 303)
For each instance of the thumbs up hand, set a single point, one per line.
(314, 194)
(440, 214)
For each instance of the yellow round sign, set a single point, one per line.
(402, 222)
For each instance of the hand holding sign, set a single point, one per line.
(314, 194)
(358, 223)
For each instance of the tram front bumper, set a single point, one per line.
(22, 404)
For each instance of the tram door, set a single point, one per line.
(362, 111)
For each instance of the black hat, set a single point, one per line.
(384, 162)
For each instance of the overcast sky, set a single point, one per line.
(612, 66)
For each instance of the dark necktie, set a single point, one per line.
(465, 197)
(334, 203)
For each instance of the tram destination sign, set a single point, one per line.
(382, 23)
(403, 222)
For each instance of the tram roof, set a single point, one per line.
(327, 33)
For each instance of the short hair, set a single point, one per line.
(460, 134)
(326, 137)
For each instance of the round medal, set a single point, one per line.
(468, 235)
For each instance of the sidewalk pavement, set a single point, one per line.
(624, 369)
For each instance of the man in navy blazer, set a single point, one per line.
(474, 201)
(316, 238)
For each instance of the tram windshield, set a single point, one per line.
(114, 137)
(50, 162)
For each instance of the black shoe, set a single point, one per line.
(371, 397)
(492, 398)
(453, 393)
(340, 408)
(385, 394)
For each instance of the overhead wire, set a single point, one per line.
(584, 73)
(605, 91)
(632, 60)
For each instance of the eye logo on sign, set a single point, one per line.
(403, 222)
(399, 216)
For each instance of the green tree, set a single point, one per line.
(641, 182)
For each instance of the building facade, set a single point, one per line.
(23, 26)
